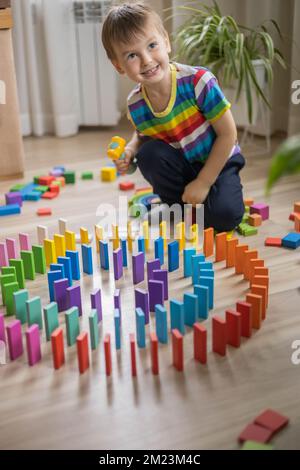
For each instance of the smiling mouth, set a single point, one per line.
(151, 71)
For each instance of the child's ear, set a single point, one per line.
(118, 67)
(168, 44)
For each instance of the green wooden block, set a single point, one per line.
(250, 231)
(69, 177)
(20, 310)
(247, 209)
(50, 319)
(56, 183)
(39, 259)
(94, 332)
(252, 445)
(9, 296)
(34, 312)
(16, 188)
(41, 189)
(19, 265)
(8, 270)
(27, 257)
(36, 179)
(6, 279)
(87, 175)
(245, 218)
(72, 325)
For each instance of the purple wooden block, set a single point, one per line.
(117, 301)
(260, 208)
(33, 344)
(14, 338)
(162, 275)
(156, 293)
(96, 303)
(3, 255)
(74, 298)
(118, 263)
(12, 251)
(24, 241)
(138, 267)
(151, 265)
(142, 301)
(14, 198)
(60, 293)
(2, 328)
(56, 172)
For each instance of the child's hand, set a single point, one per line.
(196, 192)
(122, 165)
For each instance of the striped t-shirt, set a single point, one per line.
(196, 101)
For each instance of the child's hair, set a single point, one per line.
(123, 22)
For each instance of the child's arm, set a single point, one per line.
(130, 151)
(196, 191)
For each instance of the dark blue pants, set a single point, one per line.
(168, 172)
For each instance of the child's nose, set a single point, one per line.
(146, 58)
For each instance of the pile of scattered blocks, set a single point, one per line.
(292, 239)
(256, 434)
(253, 217)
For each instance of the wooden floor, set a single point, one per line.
(202, 408)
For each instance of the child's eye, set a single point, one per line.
(131, 56)
(152, 45)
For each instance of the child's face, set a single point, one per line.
(145, 59)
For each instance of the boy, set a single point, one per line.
(185, 137)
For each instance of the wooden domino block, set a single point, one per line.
(208, 242)
(98, 236)
(57, 344)
(84, 236)
(154, 354)
(132, 354)
(297, 222)
(44, 211)
(60, 244)
(82, 352)
(256, 302)
(145, 226)
(221, 246)
(234, 327)
(249, 255)
(107, 354)
(163, 232)
(245, 309)
(126, 185)
(271, 241)
(115, 237)
(177, 349)
(70, 240)
(230, 252)
(255, 220)
(200, 343)
(263, 291)
(255, 263)
(297, 207)
(180, 235)
(219, 335)
(239, 258)
(261, 281)
(249, 201)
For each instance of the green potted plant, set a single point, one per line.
(241, 57)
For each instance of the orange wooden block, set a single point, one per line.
(46, 180)
(261, 281)
(83, 351)
(255, 263)
(62, 179)
(272, 241)
(297, 223)
(219, 335)
(256, 302)
(44, 211)
(239, 258)
(260, 271)
(200, 343)
(261, 290)
(245, 309)
(107, 354)
(154, 353)
(249, 255)
(297, 207)
(230, 252)
(221, 246)
(255, 220)
(208, 242)
(248, 201)
(177, 349)
(233, 327)
(132, 354)
(57, 344)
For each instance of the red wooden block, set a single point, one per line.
(57, 343)
(292, 216)
(272, 420)
(83, 352)
(126, 185)
(48, 195)
(219, 335)
(263, 291)
(297, 207)
(270, 241)
(200, 343)
(254, 432)
(245, 309)
(256, 302)
(54, 188)
(132, 354)
(107, 354)
(46, 180)
(177, 348)
(44, 211)
(234, 326)
(154, 353)
(297, 223)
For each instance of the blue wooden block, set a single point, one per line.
(58, 267)
(195, 260)
(10, 209)
(187, 261)
(117, 320)
(124, 252)
(87, 260)
(32, 196)
(159, 249)
(104, 259)
(173, 256)
(190, 302)
(27, 189)
(206, 273)
(66, 262)
(202, 293)
(74, 257)
(209, 282)
(161, 324)
(52, 277)
(291, 240)
(141, 246)
(177, 316)
(140, 328)
(205, 265)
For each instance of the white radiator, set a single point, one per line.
(97, 78)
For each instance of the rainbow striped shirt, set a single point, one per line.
(196, 101)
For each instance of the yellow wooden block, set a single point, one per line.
(108, 173)
(70, 240)
(84, 236)
(129, 237)
(50, 253)
(180, 235)
(229, 235)
(163, 232)
(60, 244)
(194, 236)
(98, 236)
(115, 237)
(145, 226)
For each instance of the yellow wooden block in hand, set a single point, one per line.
(108, 173)
(84, 236)
(60, 245)
(50, 253)
(70, 240)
